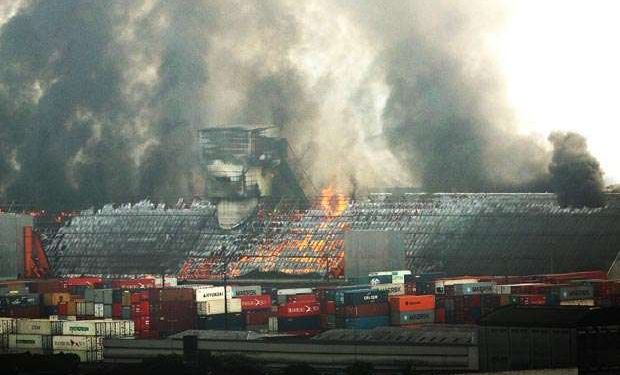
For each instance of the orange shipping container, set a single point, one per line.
(71, 308)
(53, 299)
(412, 303)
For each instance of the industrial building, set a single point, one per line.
(459, 234)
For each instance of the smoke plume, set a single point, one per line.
(576, 175)
(102, 101)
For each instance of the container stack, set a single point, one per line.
(34, 335)
(256, 312)
(17, 301)
(214, 313)
(7, 327)
(412, 310)
(172, 310)
(85, 338)
(136, 306)
(365, 309)
(300, 315)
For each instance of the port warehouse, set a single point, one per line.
(459, 234)
(451, 234)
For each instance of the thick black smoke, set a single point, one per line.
(575, 174)
(102, 101)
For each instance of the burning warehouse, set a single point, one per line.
(454, 233)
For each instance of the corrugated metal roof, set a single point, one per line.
(430, 334)
(494, 234)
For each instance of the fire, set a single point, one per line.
(332, 203)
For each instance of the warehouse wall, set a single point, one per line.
(371, 251)
(12, 244)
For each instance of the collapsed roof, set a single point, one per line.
(492, 234)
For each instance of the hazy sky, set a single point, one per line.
(562, 66)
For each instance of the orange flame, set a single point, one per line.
(332, 203)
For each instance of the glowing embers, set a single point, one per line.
(332, 202)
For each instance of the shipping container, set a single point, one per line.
(216, 307)
(104, 328)
(84, 308)
(305, 323)
(358, 297)
(578, 302)
(255, 302)
(289, 292)
(301, 298)
(392, 289)
(234, 322)
(141, 283)
(52, 299)
(7, 325)
(291, 310)
(39, 327)
(412, 317)
(77, 343)
(103, 296)
(257, 317)
(412, 303)
(250, 290)
(367, 322)
(474, 288)
(442, 284)
(576, 293)
(40, 342)
(212, 293)
(369, 309)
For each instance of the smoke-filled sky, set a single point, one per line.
(101, 100)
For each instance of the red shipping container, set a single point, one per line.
(255, 302)
(367, 310)
(532, 300)
(302, 298)
(117, 309)
(328, 307)
(440, 315)
(293, 310)
(141, 283)
(257, 317)
(62, 309)
(176, 294)
(84, 281)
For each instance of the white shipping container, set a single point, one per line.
(85, 356)
(292, 292)
(441, 284)
(392, 289)
(578, 302)
(250, 290)
(212, 293)
(168, 281)
(104, 328)
(39, 327)
(84, 308)
(474, 288)
(390, 273)
(4, 342)
(217, 307)
(7, 325)
(77, 343)
(17, 341)
(98, 310)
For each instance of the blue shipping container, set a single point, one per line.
(367, 322)
(217, 322)
(299, 324)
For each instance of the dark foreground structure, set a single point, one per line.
(511, 338)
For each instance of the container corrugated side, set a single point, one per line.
(17, 341)
(212, 293)
(105, 328)
(412, 317)
(217, 307)
(7, 325)
(392, 289)
(246, 290)
(39, 326)
(77, 343)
